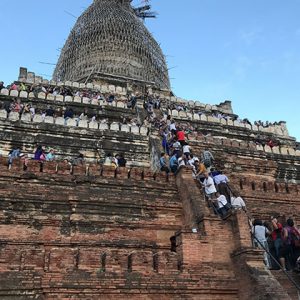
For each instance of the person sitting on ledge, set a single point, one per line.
(82, 117)
(115, 161)
(23, 87)
(111, 98)
(36, 89)
(29, 109)
(50, 156)
(163, 163)
(49, 111)
(122, 161)
(38, 152)
(13, 154)
(69, 114)
(32, 111)
(14, 87)
(132, 102)
(18, 106)
(271, 144)
(43, 157)
(24, 159)
(2, 85)
(108, 160)
(26, 108)
(55, 91)
(93, 119)
(79, 160)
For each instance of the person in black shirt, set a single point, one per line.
(122, 161)
(49, 111)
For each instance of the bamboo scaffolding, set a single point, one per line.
(109, 38)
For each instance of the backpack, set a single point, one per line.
(291, 235)
(295, 237)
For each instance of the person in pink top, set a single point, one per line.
(14, 87)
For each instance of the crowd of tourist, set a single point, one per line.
(280, 242)
(151, 102)
(266, 124)
(178, 153)
(67, 113)
(42, 155)
(117, 161)
(184, 106)
(260, 140)
(162, 124)
(109, 98)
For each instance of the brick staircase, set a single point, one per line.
(287, 284)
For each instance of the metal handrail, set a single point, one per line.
(275, 260)
(262, 246)
(269, 253)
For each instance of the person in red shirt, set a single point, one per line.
(181, 137)
(278, 244)
(271, 144)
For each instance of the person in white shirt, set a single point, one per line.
(209, 186)
(237, 202)
(186, 150)
(181, 161)
(191, 161)
(176, 147)
(222, 205)
(32, 111)
(172, 126)
(260, 233)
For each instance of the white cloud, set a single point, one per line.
(249, 37)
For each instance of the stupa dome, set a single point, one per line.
(110, 39)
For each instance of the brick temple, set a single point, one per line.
(92, 231)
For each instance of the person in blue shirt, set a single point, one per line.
(50, 156)
(163, 163)
(174, 163)
(14, 153)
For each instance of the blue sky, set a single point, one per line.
(245, 51)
